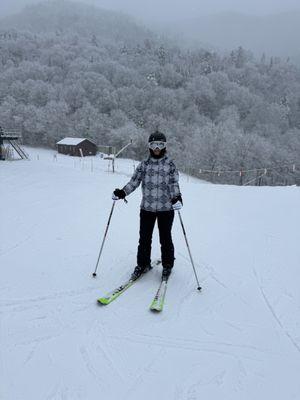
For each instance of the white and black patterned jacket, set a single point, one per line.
(159, 179)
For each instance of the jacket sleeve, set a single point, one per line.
(174, 181)
(135, 180)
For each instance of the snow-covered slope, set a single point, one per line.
(237, 340)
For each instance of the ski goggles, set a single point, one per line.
(157, 145)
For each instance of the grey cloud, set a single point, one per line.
(174, 9)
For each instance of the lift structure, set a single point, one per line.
(12, 137)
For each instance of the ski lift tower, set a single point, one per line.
(115, 155)
(12, 137)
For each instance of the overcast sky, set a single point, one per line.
(174, 9)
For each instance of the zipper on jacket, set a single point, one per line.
(157, 185)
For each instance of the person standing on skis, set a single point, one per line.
(161, 196)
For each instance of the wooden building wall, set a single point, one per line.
(88, 149)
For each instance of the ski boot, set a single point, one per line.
(166, 273)
(139, 270)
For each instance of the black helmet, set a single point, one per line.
(157, 137)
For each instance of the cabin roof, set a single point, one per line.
(73, 141)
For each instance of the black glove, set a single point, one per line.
(177, 198)
(120, 193)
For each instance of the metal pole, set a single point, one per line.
(107, 226)
(199, 287)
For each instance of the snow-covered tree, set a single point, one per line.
(67, 69)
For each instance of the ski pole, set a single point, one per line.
(199, 287)
(107, 226)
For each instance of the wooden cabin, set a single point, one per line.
(78, 147)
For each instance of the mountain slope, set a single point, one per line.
(238, 339)
(68, 16)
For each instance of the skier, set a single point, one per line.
(161, 196)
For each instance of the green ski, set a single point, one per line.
(159, 299)
(111, 296)
(114, 294)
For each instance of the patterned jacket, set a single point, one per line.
(159, 179)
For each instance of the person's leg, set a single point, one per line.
(147, 222)
(165, 221)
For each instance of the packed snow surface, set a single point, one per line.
(238, 339)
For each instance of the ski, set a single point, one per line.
(111, 296)
(159, 299)
(114, 294)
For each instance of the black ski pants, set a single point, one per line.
(164, 222)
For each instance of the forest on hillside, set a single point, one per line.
(68, 69)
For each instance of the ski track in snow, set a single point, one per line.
(142, 374)
(33, 301)
(211, 273)
(275, 317)
(31, 353)
(192, 345)
(55, 393)
(104, 347)
(98, 378)
(16, 245)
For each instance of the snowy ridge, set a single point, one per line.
(237, 339)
